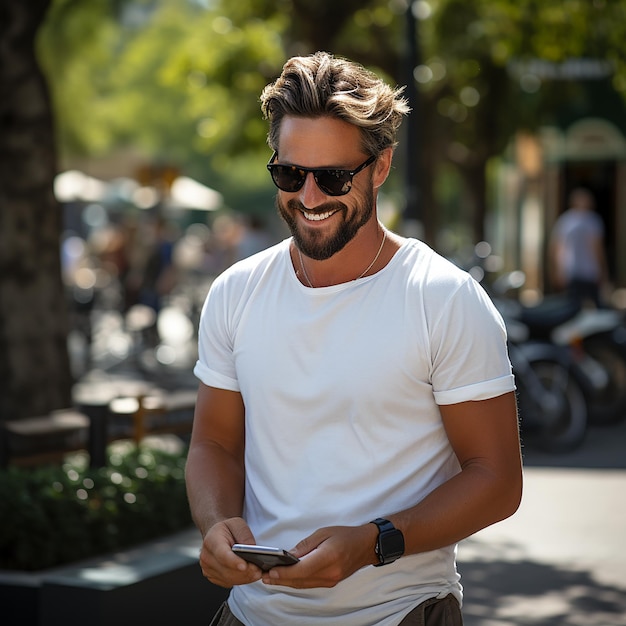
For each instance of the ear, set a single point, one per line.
(382, 167)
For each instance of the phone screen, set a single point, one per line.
(264, 557)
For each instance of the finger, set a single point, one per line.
(228, 576)
(240, 531)
(308, 544)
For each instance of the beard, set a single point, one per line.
(317, 245)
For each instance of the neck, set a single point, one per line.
(304, 274)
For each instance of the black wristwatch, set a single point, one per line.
(390, 543)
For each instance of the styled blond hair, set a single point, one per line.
(321, 85)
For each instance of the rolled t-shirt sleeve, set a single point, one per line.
(468, 348)
(214, 379)
(480, 391)
(215, 366)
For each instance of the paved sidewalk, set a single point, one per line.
(561, 559)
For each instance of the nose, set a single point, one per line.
(310, 194)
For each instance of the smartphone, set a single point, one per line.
(264, 556)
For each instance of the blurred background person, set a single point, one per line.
(254, 237)
(158, 275)
(578, 259)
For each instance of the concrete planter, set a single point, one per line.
(159, 583)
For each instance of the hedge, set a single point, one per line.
(55, 515)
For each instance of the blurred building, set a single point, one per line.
(584, 146)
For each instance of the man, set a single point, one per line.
(356, 404)
(577, 247)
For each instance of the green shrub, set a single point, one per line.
(55, 515)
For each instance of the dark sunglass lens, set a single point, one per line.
(334, 182)
(288, 178)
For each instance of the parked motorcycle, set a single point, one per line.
(552, 407)
(596, 342)
(595, 339)
(551, 400)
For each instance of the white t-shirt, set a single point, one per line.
(341, 386)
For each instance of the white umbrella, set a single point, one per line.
(73, 185)
(187, 193)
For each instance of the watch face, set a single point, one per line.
(392, 544)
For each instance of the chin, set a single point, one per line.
(317, 242)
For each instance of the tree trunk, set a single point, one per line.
(35, 373)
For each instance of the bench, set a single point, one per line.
(99, 420)
(43, 439)
(158, 412)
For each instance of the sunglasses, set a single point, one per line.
(331, 181)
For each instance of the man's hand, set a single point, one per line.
(219, 563)
(327, 557)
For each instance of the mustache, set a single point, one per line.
(296, 205)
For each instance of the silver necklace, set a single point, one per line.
(365, 271)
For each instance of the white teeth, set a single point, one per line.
(317, 217)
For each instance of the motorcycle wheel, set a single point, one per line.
(608, 405)
(557, 417)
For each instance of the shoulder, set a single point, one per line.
(562, 221)
(434, 284)
(257, 264)
(241, 278)
(430, 269)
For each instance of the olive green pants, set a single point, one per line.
(433, 612)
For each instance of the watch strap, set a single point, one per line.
(383, 524)
(390, 542)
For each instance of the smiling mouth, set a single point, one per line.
(318, 217)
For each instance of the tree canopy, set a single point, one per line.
(180, 81)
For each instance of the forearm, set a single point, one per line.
(484, 436)
(473, 499)
(466, 503)
(215, 485)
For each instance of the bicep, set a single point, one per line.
(485, 432)
(219, 420)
